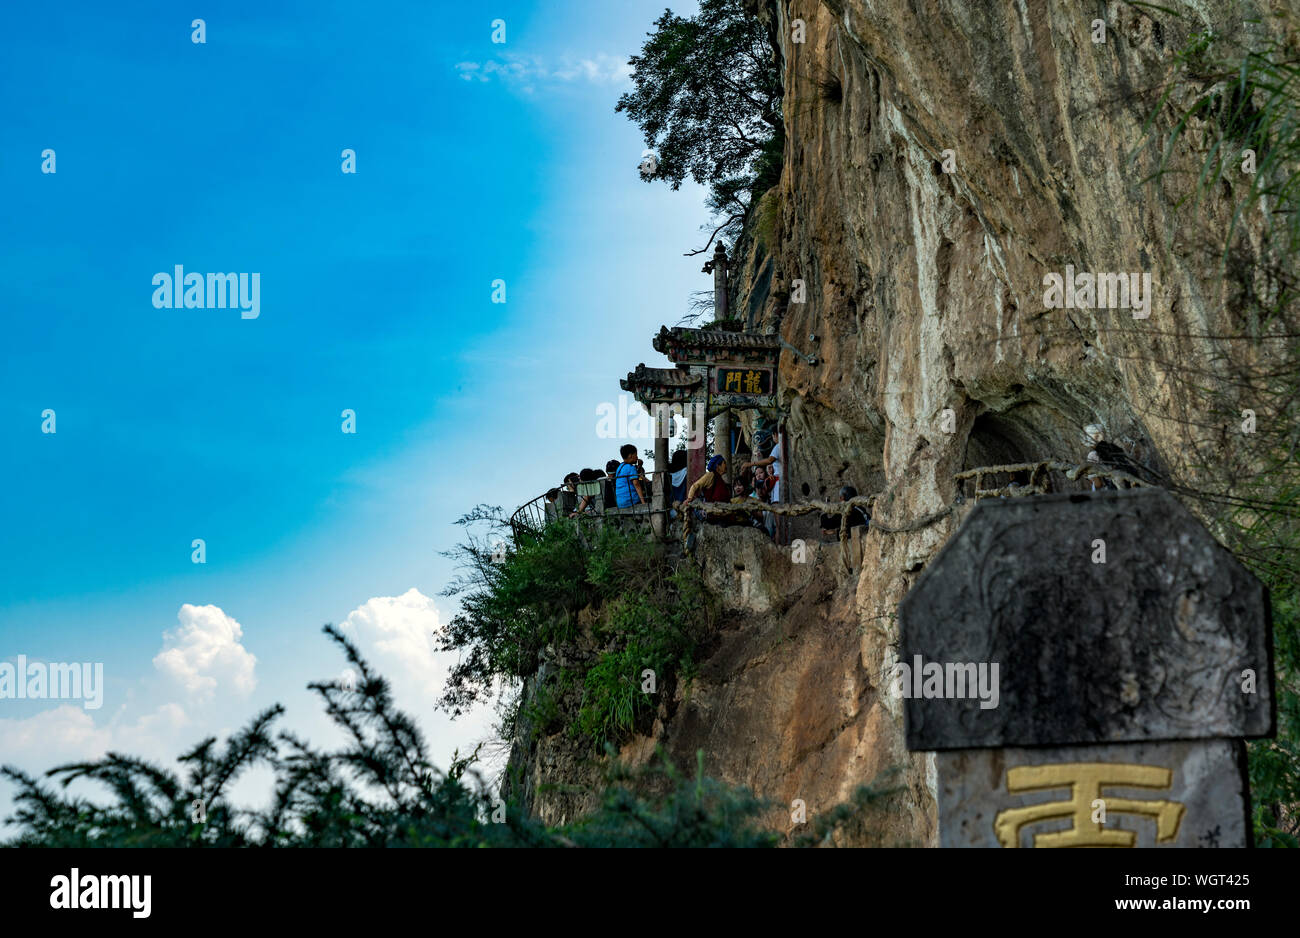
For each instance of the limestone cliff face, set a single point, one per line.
(924, 291)
(784, 702)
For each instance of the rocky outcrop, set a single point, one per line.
(783, 701)
(942, 157)
(925, 288)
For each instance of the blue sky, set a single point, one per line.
(475, 161)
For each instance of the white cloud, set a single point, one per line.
(396, 634)
(600, 69)
(202, 656)
(68, 733)
(204, 659)
(205, 654)
(205, 662)
(61, 729)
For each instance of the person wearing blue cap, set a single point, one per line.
(711, 486)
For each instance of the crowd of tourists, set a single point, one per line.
(757, 479)
(757, 476)
(623, 484)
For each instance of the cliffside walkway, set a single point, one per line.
(1040, 483)
(531, 518)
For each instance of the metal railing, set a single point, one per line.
(532, 518)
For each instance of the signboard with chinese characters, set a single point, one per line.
(1170, 794)
(1112, 617)
(736, 385)
(1085, 667)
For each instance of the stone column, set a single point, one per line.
(696, 456)
(661, 495)
(722, 436)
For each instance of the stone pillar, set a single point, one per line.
(662, 495)
(696, 456)
(1086, 668)
(722, 437)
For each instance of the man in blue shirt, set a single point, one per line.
(629, 490)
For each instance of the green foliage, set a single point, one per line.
(1235, 95)
(612, 695)
(1275, 763)
(769, 209)
(154, 807)
(707, 96)
(652, 620)
(867, 799)
(377, 790)
(640, 614)
(545, 712)
(1230, 94)
(698, 812)
(514, 602)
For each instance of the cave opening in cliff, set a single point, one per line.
(1026, 432)
(1003, 439)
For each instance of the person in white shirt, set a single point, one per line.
(773, 459)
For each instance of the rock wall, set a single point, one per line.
(784, 702)
(924, 291)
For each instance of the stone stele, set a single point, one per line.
(1175, 794)
(1168, 638)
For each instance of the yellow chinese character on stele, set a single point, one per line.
(733, 378)
(752, 385)
(1086, 781)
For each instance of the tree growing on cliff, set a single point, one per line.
(610, 597)
(708, 98)
(1225, 129)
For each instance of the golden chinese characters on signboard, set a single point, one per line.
(744, 381)
(1085, 781)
